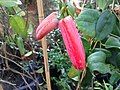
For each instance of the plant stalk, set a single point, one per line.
(44, 45)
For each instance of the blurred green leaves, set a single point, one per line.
(18, 25)
(10, 3)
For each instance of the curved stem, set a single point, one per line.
(94, 45)
(113, 3)
(81, 79)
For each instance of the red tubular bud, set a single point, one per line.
(73, 42)
(47, 25)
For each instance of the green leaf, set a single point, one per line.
(112, 42)
(108, 53)
(71, 9)
(101, 3)
(20, 45)
(10, 3)
(100, 67)
(105, 24)
(75, 78)
(18, 25)
(87, 20)
(28, 54)
(40, 70)
(86, 45)
(118, 59)
(115, 76)
(73, 72)
(96, 62)
(116, 30)
(114, 59)
(97, 57)
(19, 11)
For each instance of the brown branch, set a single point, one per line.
(26, 82)
(17, 65)
(3, 81)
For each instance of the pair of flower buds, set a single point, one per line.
(70, 36)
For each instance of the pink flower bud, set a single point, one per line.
(73, 42)
(47, 25)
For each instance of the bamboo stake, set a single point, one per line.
(44, 44)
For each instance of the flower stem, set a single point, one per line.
(81, 79)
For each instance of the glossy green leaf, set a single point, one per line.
(96, 62)
(97, 57)
(112, 42)
(10, 3)
(100, 67)
(86, 21)
(108, 53)
(18, 25)
(20, 45)
(105, 24)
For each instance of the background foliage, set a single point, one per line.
(21, 56)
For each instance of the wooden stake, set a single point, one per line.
(44, 44)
